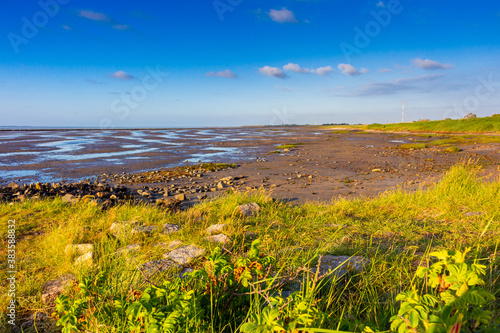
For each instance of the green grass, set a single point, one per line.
(475, 125)
(393, 230)
(453, 140)
(451, 150)
(289, 146)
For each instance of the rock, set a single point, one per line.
(185, 254)
(220, 238)
(251, 235)
(248, 209)
(220, 185)
(168, 203)
(376, 170)
(171, 245)
(69, 198)
(185, 271)
(340, 265)
(85, 259)
(78, 249)
(41, 319)
(13, 186)
(160, 265)
(144, 229)
(180, 197)
(54, 288)
(171, 228)
(216, 228)
(121, 228)
(473, 213)
(129, 248)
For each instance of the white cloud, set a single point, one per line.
(101, 17)
(395, 86)
(350, 70)
(121, 75)
(385, 70)
(282, 15)
(94, 16)
(322, 71)
(228, 74)
(297, 69)
(430, 65)
(381, 4)
(273, 72)
(66, 27)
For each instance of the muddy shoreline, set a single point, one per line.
(325, 165)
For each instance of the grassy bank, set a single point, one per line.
(395, 231)
(450, 141)
(474, 125)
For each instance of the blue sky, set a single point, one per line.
(239, 62)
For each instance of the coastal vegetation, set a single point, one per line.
(466, 125)
(420, 255)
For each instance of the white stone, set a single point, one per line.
(78, 249)
(185, 254)
(249, 209)
(216, 228)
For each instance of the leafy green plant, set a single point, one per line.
(456, 303)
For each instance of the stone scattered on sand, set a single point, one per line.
(78, 249)
(185, 254)
(340, 265)
(160, 265)
(144, 229)
(129, 248)
(220, 238)
(216, 228)
(180, 197)
(376, 170)
(52, 289)
(171, 228)
(249, 209)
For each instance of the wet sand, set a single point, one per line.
(325, 166)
